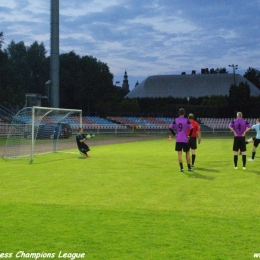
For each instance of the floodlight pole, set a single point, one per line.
(32, 135)
(54, 57)
(235, 67)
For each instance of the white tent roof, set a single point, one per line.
(182, 86)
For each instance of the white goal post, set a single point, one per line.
(37, 130)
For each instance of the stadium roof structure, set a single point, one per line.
(193, 85)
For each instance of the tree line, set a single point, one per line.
(86, 83)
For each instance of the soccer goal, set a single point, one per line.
(39, 130)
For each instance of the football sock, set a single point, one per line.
(188, 166)
(181, 166)
(253, 155)
(235, 160)
(244, 160)
(193, 159)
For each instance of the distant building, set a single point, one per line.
(192, 85)
(125, 84)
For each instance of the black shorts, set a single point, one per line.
(256, 142)
(239, 144)
(84, 148)
(185, 147)
(193, 143)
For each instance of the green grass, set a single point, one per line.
(129, 201)
(2, 141)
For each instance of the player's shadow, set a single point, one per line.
(206, 169)
(256, 172)
(199, 176)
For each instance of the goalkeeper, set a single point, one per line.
(80, 138)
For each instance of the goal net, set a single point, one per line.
(38, 130)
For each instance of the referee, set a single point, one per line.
(193, 138)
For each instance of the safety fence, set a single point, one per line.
(115, 129)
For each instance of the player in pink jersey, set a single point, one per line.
(182, 125)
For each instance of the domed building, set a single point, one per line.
(192, 85)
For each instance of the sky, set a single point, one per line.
(144, 37)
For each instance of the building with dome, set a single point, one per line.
(192, 85)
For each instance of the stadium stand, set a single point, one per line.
(221, 123)
(206, 124)
(143, 122)
(3, 127)
(121, 123)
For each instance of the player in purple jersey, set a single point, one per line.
(239, 127)
(182, 125)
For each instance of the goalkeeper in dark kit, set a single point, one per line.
(82, 146)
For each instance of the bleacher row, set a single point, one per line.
(143, 122)
(94, 122)
(221, 123)
(4, 127)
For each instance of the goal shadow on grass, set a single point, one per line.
(58, 156)
(45, 158)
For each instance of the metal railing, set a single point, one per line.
(119, 129)
(6, 114)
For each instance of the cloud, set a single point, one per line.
(144, 37)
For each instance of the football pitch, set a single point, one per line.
(129, 201)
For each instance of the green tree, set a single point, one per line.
(24, 71)
(129, 107)
(97, 82)
(239, 97)
(4, 75)
(89, 83)
(70, 81)
(12, 74)
(253, 75)
(215, 100)
(17, 58)
(221, 70)
(36, 62)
